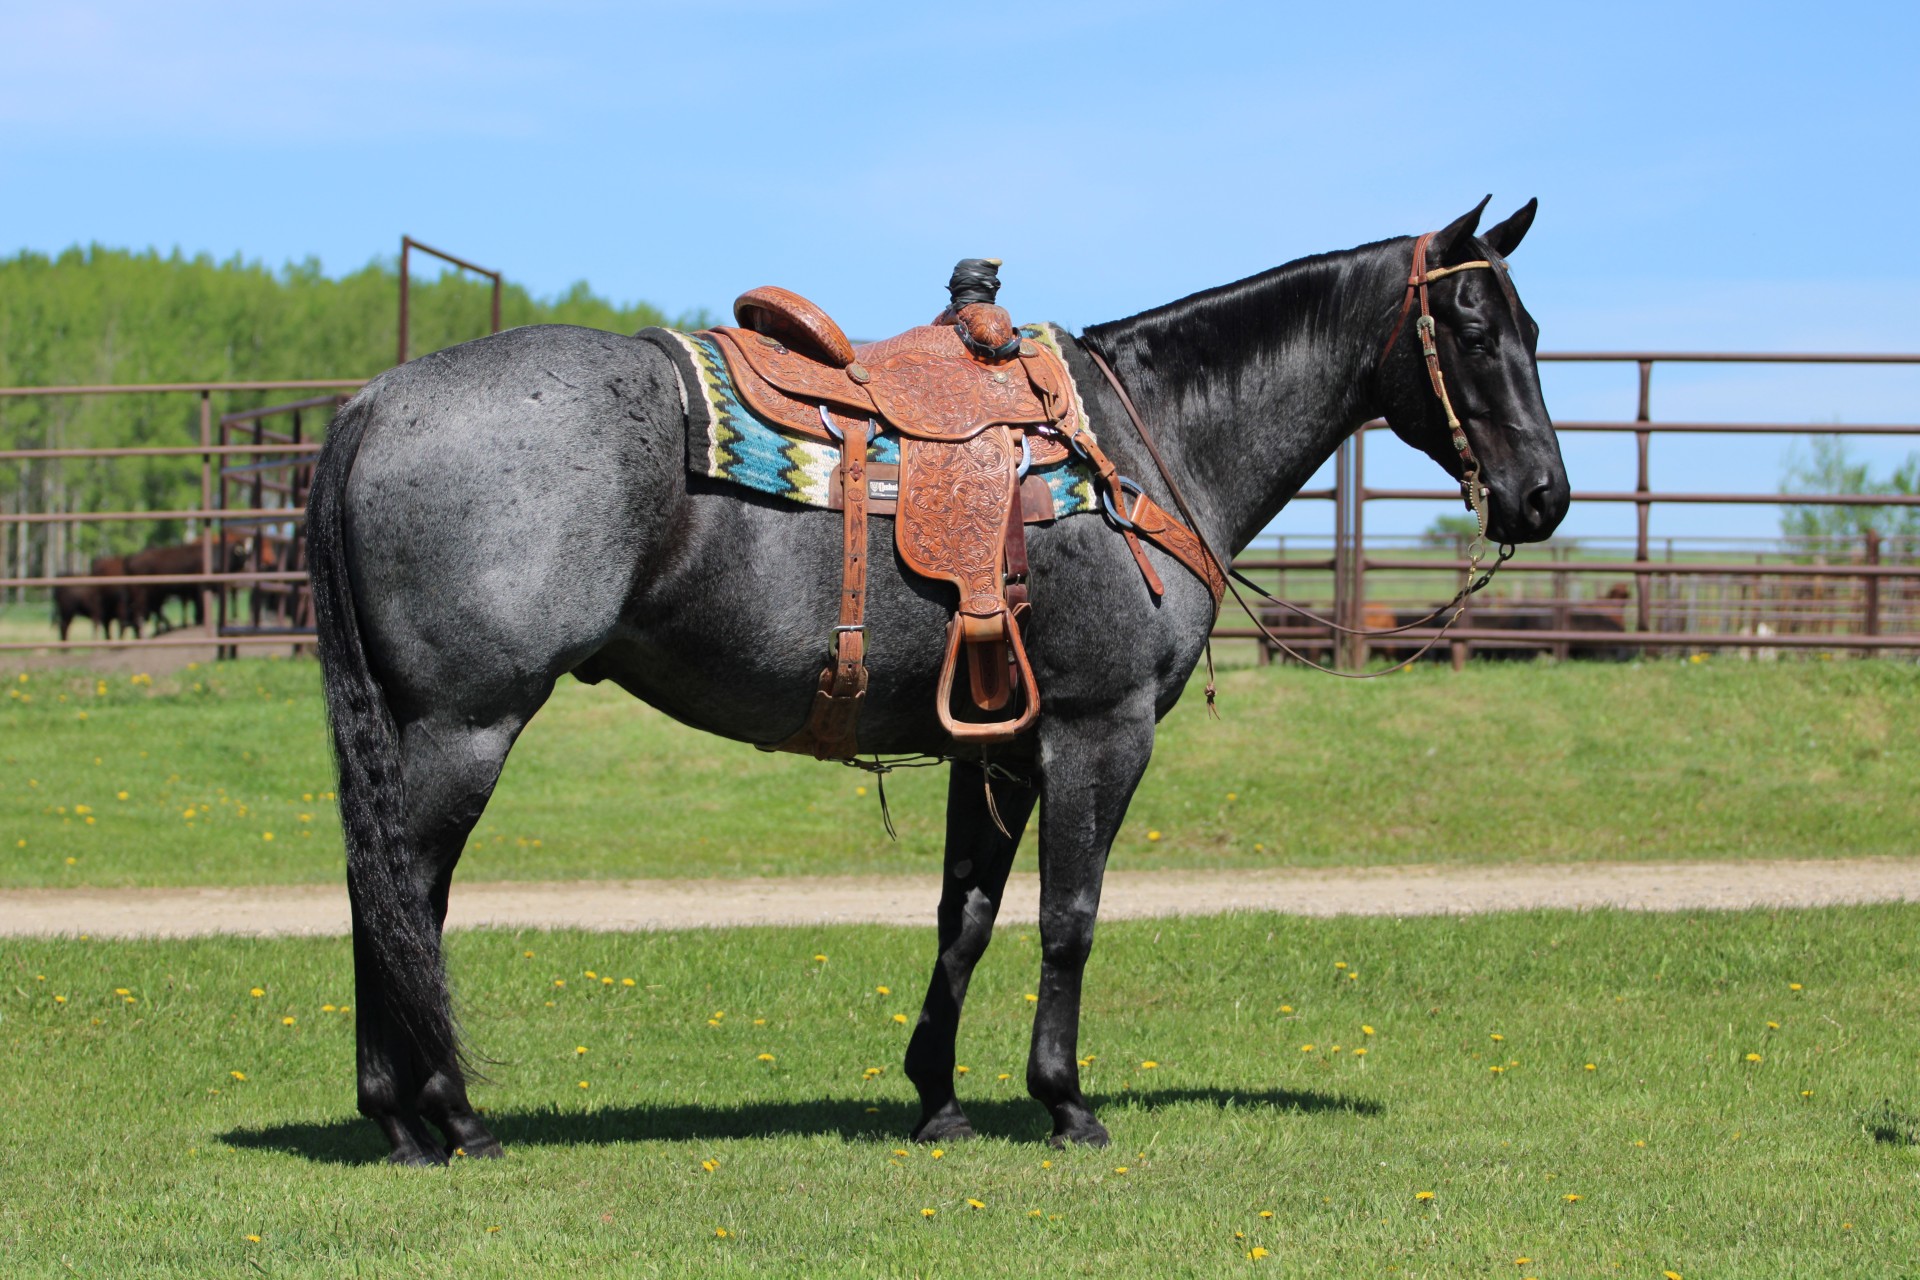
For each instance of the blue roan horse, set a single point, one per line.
(492, 517)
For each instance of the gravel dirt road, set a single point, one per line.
(696, 904)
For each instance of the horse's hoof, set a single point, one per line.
(1082, 1133)
(949, 1124)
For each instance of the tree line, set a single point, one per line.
(100, 315)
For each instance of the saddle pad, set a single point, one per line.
(727, 441)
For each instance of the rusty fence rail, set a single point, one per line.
(1862, 596)
(1882, 576)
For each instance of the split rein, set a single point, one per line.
(1476, 494)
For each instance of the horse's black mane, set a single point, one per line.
(1184, 345)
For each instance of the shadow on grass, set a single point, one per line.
(356, 1141)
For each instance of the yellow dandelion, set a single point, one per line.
(526, 955)
(1306, 1048)
(253, 1239)
(928, 1213)
(1806, 1093)
(559, 982)
(899, 1017)
(1149, 1065)
(1497, 1070)
(1497, 1037)
(606, 982)
(765, 1057)
(588, 973)
(579, 1049)
(885, 991)
(1046, 1164)
(585, 1085)
(1034, 1213)
(1030, 997)
(1256, 1253)
(976, 1204)
(720, 1233)
(1423, 1195)
(627, 982)
(287, 1021)
(936, 1153)
(821, 959)
(1339, 964)
(1153, 835)
(1359, 1053)
(1753, 1057)
(1365, 1030)
(121, 991)
(709, 1165)
(859, 791)
(1590, 1067)
(1670, 1275)
(492, 1230)
(1793, 986)
(1571, 1198)
(963, 1070)
(327, 1008)
(1119, 1168)
(1004, 1075)
(900, 1151)
(266, 835)
(1266, 1213)
(1286, 1008)
(1773, 1026)
(238, 1075)
(59, 999)
(119, 795)
(1521, 1262)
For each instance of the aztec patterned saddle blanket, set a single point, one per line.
(963, 431)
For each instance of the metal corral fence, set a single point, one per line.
(246, 527)
(1594, 597)
(1602, 597)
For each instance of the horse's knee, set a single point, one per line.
(1066, 943)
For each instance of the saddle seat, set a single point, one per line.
(974, 404)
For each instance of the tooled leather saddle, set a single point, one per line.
(975, 405)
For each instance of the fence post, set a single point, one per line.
(207, 616)
(1358, 593)
(1342, 499)
(1873, 583)
(1642, 506)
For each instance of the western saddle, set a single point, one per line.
(975, 405)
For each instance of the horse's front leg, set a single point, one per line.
(1090, 768)
(978, 859)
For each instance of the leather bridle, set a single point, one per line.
(1418, 278)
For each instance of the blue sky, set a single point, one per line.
(1711, 176)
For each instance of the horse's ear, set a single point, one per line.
(1455, 235)
(1505, 237)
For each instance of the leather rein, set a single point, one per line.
(1419, 276)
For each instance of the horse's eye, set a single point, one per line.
(1474, 339)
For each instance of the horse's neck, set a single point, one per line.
(1250, 388)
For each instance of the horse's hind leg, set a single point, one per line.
(978, 859)
(450, 767)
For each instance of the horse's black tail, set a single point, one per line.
(396, 940)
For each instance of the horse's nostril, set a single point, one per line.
(1542, 505)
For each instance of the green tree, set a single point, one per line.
(1829, 466)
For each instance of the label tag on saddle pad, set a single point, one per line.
(884, 490)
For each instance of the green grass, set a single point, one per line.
(131, 1148)
(1500, 763)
